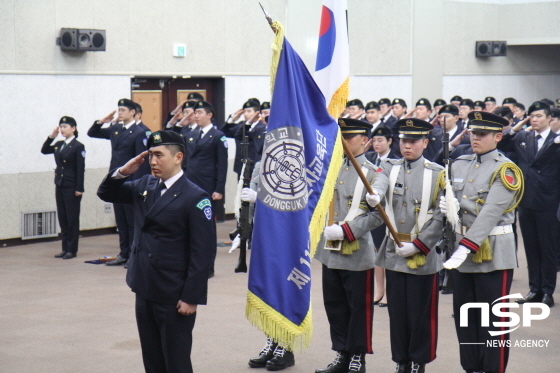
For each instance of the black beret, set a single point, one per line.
(548, 102)
(467, 102)
(479, 103)
(265, 105)
(424, 102)
(503, 111)
(125, 102)
(456, 98)
(399, 101)
(439, 102)
(252, 103)
(382, 131)
(138, 107)
(538, 105)
(355, 102)
(195, 96)
(67, 120)
(413, 128)
(555, 112)
(509, 100)
(372, 105)
(451, 109)
(384, 101)
(481, 121)
(520, 106)
(204, 105)
(189, 104)
(352, 127)
(165, 138)
(489, 99)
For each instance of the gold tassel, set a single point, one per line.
(339, 99)
(440, 185)
(317, 223)
(484, 253)
(291, 336)
(349, 247)
(415, 261)
(276, 51)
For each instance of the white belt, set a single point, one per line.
(496, 231)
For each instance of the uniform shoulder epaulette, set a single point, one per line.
(395, 161)
(466, 157)
(433, 166)
(370, 166)
(502, 158)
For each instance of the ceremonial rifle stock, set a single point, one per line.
(370, 191)
(244, 224)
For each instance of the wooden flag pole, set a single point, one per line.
(370, 191)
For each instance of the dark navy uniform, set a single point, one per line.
(174, 244)
(69, 179)
(537, 211)
(126, 143)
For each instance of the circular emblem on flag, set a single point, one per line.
(283, 180)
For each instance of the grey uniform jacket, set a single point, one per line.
(407, 190)
(471, 182)
(357, 229)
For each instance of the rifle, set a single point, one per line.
(244, 228)
(447, 241)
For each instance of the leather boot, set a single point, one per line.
(338, 365)
(282, 359)
(357, 364)
(418, 368)
(403, 367)
(265, 355)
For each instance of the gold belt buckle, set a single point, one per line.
(404, 237)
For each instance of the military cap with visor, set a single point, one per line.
(413, 128)
(352, 127)
(481, 121)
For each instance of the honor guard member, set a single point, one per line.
(69, 155)
(537, 155)
(487, 187)
(127, 141)
(456, 100)
(489, 104)
(174, 244)
(438, 104)
(348, 267)
(410, 188)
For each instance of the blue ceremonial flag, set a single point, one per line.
(301, 158)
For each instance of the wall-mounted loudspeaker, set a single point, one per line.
(491, 48)
(72, 39)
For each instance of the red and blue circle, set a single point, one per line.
(327, 39)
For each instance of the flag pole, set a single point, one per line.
(370, 191)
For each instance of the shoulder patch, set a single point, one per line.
(224, 141)
(83, 153)
(148, 133)
(203, 203)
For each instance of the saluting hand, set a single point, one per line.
(457, 140)
(108, 118)
(520, 125)
(54, 133)
(236, 115)
(185, 119)
(435, 120)
(133, 165)
(185, 308)
(383, 113)
(409, 115)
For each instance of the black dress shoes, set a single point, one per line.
(530, 297)
(357, 364)
(403, 367)
(62, 253)
(119, 260)
(381, 304)
(282, 359)
(417, 368)
(69, 255)
(338, 365)
(266, 354)
(548, 300)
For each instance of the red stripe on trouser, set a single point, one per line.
(369, 310)
(504, 292)
(434, 317)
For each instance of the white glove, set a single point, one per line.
(373, 199)
(457, 258)
(407, 249)
(334, 233)
(557, 140)
(248, 195)
(235, 244)
(443, 204)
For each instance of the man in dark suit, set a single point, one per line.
(448, 118)
(138, 118)
(537, 153)
(174, 243)
(127, 141)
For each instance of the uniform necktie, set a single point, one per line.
(160, 188)
(537, 138)
(378, 161)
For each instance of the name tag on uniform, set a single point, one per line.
(457, 180)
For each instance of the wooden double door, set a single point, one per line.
(158, 96)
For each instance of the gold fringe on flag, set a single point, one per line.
(317, 223)
(339, 99)
(284, 332)
(276, 51)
